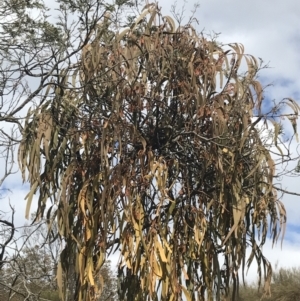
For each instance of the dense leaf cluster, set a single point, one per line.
(150, 147)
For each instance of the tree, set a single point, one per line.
(30, 274)
(153, 143)
(33, 50)
(23, 40)
(29, 271)
(7, 230)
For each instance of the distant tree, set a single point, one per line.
(33, 51)
(24, 38)
(31, 273)
(29, 276)
(7, 231)
(108, 283)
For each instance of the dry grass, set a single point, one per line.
(285, 287)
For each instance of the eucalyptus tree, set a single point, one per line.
(153, 144)
(21, 48)
(36, 43)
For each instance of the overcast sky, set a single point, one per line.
(269, 30)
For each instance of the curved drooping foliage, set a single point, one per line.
(149, 147)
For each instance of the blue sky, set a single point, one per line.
(269, 30)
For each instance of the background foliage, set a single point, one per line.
(285, 287)
(31, 273)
